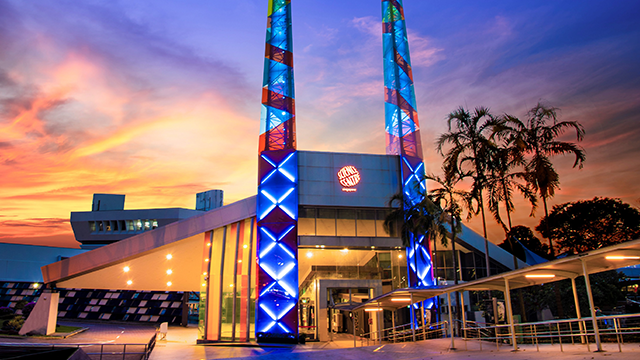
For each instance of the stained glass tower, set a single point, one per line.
(277, 205)
(403, 130)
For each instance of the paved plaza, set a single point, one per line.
(181, 344)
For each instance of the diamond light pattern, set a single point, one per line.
(277, 205)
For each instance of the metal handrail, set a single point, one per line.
(556, 330)
(401, 333)
(148, 347)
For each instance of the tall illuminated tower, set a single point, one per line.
(277, 204)
(403, 130)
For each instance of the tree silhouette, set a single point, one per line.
(590, 224)
(536, 138)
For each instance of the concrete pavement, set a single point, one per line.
(180, 344)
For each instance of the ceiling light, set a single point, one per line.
(129, 282)
(206, 260)
(208, 244)
(169, 256)
(169, 283)
(230, 285)
(372, 310)
(36, 285)
(344, 251)
(245, 246)
(622, 257)
(126, 269)
(203, 284)
(400, 299)
(309, 254)
(399, 256)
(169, 272)
(540, 276)
(204, 273)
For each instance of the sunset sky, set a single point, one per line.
(160, 100)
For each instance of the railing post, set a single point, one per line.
(535, 334)
(559, 337)
(615, 326)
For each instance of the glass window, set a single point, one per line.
(154, 224)
(92, 226)
(307, 221)
(115, 225)
(366, 223)
(381, 215)
(108, 225)
(138, 225)
(100, 226)
(346, 222)
(123, 226)
(326, 222)
(130, 225)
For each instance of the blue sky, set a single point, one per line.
(161, 99)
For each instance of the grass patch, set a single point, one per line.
(67, 329)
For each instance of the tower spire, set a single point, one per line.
(403, 131)
(277, 122)
(277, 201)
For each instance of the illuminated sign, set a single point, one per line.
(348, 177)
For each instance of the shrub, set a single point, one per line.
(26, 310)
(6, 312)
(13, 325)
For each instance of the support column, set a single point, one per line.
(464, 315)
(353, 325)
(507, 296)
(591, 306)
(453, 344)
(577, 302)
(424, 322)
(413, 319)
(393, 324)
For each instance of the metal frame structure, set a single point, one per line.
(277, 202)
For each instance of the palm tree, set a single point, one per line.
(469, 153)
(502, 181)
(537, 138)
(416, 219)
(448, 198)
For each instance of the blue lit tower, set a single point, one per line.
(277, 208)
(402, 128)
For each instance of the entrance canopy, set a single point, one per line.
(570, 267)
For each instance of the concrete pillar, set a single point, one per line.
(507, 296)
(43, 317)
(593, 310)
(185, 309)
(453, 344)
(577, 302)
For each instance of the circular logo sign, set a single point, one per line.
(348, 176)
